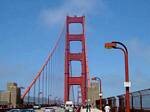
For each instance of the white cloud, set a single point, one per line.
(57, 15)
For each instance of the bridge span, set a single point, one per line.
(56, 82)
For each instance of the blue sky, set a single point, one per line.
(29, 29)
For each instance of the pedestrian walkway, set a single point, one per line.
(92, 110)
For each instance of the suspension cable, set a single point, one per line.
(43, 66)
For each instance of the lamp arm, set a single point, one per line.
(126, 50)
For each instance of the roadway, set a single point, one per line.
(91, 110)
(57, 109)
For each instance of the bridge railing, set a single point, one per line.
(78, 109)
(139, 102)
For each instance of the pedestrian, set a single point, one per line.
(107, 108)
(88, 107)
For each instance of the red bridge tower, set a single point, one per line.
(81, 80)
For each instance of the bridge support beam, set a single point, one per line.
(69, 79)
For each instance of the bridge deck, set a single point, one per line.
(57, 109)
(92, 110)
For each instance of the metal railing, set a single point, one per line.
(139, 102)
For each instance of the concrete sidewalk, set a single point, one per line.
(92, 110)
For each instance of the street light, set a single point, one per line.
(21, 88)
(100, 93)
(49, 98)
(21, 100)
(127, 83)
(59, 101)
(40, 93)
(55, 99)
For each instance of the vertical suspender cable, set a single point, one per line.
(51, 77)
(34, 93)
(46, 85)
(43, 87)
(48, 81)
(39, 89)
(42, 70)
(28, 97)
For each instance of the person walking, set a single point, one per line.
(107, 108)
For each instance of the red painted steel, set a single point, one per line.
(43, 66)
(127, 95)
(79, 96)
(124, 49)
(82, 79)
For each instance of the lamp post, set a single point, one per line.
(49, 98)
(127, 83)
(100, 89)
(20, 92)
(21, 88)
(59, 101)
(55, 100)
(39, 97)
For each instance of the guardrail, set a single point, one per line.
(139, 102)
(78, 109)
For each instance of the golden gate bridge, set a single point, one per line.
(54, 82)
